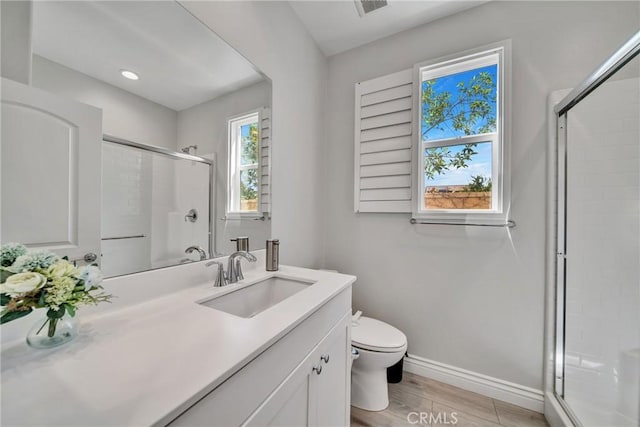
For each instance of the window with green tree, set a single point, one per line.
(244, 165)
(461, 135)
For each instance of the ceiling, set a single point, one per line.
(181, 62)
(337, 27)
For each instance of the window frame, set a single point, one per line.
(500, 174)
(234, 167)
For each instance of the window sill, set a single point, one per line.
(490, 219)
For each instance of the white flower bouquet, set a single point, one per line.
(40, 279)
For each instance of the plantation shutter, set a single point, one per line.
(383, 143)
(265, 161)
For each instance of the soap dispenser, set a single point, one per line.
(273, 254)
(242, 244)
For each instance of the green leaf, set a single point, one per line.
(41, 302)
(13, 315)
(56, 314)
(4, 274)
(4, 299)
(70, 309)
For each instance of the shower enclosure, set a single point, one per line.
(156, 203)
(593, 369)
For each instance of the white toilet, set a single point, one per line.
(379, 346)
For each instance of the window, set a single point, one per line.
(243, 190)
(461, 168)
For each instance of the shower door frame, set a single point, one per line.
(561, 110)
(182, 156)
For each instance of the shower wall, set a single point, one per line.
(602, 305)
(191, 187)
(126, 209)
(145, 197)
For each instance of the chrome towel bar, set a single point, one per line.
(139, 236)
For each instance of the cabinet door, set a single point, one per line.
(317, 392)
(51, 167)
(291, 404)
(333, 386)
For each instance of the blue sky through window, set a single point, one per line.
(244, 130)
(450, 84)
(248, 153)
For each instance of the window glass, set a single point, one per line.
(467, 187)
(460, 104)
(249, 141)
(249, 189)
(460, 161)
(244, 179)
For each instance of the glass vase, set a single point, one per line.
(47, 333)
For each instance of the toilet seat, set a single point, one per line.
(374, 335)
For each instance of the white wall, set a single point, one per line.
(124, 115)
(15, 40)
(468, 297)
(272, 37)
(205, 125)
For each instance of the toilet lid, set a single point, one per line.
(374, 335)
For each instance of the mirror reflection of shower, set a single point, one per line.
(155, 203)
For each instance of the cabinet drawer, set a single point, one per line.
(239, 396)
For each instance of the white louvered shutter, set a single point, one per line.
(383, 143)
(265, 161)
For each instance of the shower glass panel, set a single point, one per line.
(601, 357)
(148, 201)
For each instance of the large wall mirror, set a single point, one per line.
(140, 136)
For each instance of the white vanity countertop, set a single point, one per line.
(145, 364)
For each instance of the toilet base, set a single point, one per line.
(369, 390)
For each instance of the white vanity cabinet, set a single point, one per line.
(315, 393)
(303, 379)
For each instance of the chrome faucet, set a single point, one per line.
(221, 277)
(191, 249)
(234, 268)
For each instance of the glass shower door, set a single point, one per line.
(601, 369)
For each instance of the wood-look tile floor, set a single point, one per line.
(443, 404)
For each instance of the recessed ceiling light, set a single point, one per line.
(129, 74)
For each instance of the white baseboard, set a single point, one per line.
(495, 388)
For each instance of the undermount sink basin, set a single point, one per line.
(253, 299)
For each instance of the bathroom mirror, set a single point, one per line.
(161, 82)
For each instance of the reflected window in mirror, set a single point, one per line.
(243, 183)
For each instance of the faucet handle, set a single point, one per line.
(221, 278)
(234, 269)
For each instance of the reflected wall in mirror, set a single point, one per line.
(149, 73)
